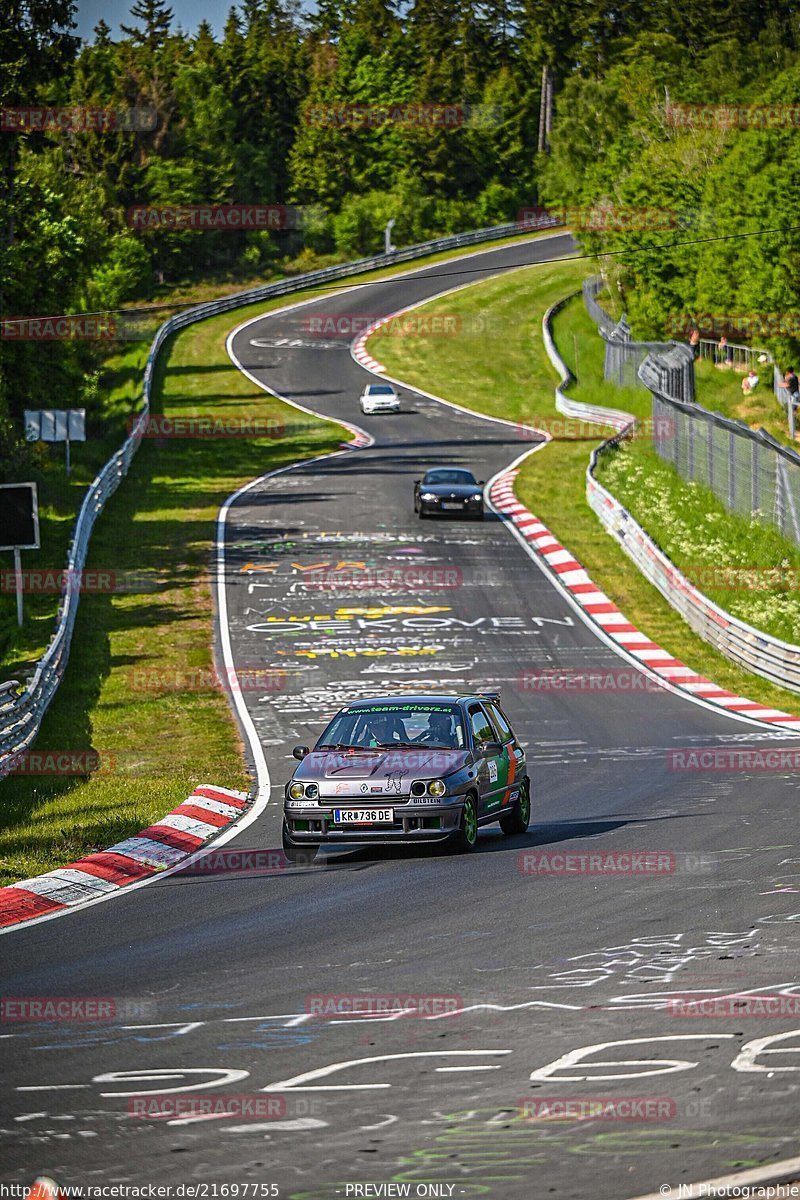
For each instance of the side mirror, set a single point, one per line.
(300, 752)
(416, 481)
(480, 482)
(490, 749)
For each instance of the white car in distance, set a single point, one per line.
(379, 398)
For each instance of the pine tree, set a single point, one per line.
(156, 18)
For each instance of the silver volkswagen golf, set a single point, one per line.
(421, 768)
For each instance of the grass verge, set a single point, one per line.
(518, 385)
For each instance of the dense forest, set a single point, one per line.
(441, 114)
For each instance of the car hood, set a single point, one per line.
(459, 490)
(380, 770)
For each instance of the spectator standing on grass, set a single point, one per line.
(750, 382)
(694, 343)
(724, 353)
(792, 385)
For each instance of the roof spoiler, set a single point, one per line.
(495, 695)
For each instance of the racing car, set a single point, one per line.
(448, 490)
(426, 768)
(379, 398)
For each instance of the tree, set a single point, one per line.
(156, 18)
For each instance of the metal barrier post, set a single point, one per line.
(754, 477)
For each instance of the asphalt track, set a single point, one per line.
(225, 968)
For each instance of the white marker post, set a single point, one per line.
(18, 582)
(388, 248)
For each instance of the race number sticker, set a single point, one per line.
(492, 771)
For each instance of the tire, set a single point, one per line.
(422, 514)
(518, 818)
(465, 839)
(301, 855)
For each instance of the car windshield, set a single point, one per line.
(450, 475)
(412, 725)
(381, 391)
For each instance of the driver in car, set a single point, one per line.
(381, 731)
(439, 732)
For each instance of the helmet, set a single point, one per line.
(440, 727)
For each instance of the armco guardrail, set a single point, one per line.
(21, 713)
(756, 651)
(595, 414)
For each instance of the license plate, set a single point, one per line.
(363, 816)
(452, 505)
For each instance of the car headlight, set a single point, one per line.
(296, 791)
(477, 496)
(437, 787)
(429, 496)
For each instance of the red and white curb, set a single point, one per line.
(159, 847)
(359, 440)
(615, 625)
(359, 347)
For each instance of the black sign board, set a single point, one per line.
(19, 516)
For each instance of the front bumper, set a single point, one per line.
(314, 825)
(372, 409)
(466, 508)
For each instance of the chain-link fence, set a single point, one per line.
(750, 472)
(591, 290)
(668, 366)
(751, 648)
(735, 357)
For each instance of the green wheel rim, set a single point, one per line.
(525, 805)
(470, 821)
